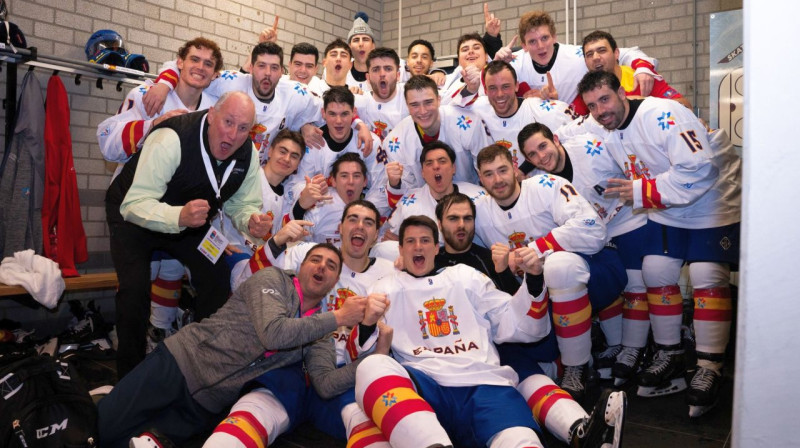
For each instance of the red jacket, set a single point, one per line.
(62, 228)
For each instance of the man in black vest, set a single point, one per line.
(190, 168)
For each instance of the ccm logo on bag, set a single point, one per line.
(47, 431)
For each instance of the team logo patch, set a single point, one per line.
(546, 180)
(563, 321)
(227, 74)
(408, 200)
(666, 120)
(636, 169)
(594, 147)
(589, 222)
(547, 105)
(464, 122)
(258, 134)
(725, 242)
(335, 301)
(669, 93)
(504, 143)
(394, 144)
(579, 51)
(301, 89)
(389, 399)
(437, 320)
(105, 132)
(379, 129)
(143, 90)
(516, 240)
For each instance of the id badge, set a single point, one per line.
(213, 245)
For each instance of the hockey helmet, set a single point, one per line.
(103, 40)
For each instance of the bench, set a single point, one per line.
(99, 280)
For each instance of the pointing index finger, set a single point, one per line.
(549, 80)
(513, 41)
(275, 25)
(486, 12)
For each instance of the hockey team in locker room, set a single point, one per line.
(407, 257)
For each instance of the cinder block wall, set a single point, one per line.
(663, 29)
(155, 28)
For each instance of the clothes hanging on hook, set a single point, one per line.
(64, 237)
(22, 170)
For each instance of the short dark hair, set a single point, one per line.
(338, 43)
(420, 82)
(383, 52)
(202, 42)
(295, 136)
(348, 157)
(419, 221)
(305, 48)
(328, 246)
(498, 66)
(470, 36)
(266, 48)
(490, 153)
(453, 198)
(599, 35)
(340, 95)
(437, 144)
(530, 130)
(363, 203)
(425, 43)
(596, 80)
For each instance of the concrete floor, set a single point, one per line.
(661, 422)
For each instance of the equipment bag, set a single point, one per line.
(43, 404)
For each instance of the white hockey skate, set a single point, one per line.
(604, 427)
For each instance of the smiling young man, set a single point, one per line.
(427, 122)
(690, 186)
(505, 114)
(585, 161)
(544, 218)
(464, 85)
(303, 64)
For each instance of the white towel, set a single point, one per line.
(40, 276)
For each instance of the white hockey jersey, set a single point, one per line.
(504, 131)
(382, 117)
(459, 128)
(123, 134)
(568, 68)
(592, 166)
(549, 215)
(446, 324)
(681, 177)
(350, 284)
(420, 201)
